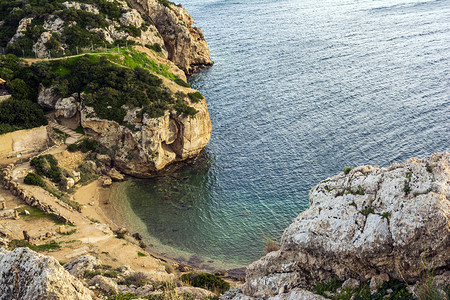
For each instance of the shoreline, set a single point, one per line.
(116, 217)
(97, 228)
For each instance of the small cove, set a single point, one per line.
(299, 90)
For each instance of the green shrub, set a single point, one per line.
(166, 3)
(186, 110)
(86, 173)
(181, 82)
(18, 114)
(86, 145)
(155, 47)
(132, 30)
(34, 179)
(137, 278)
(386, 215)
(347, 170)
(207, 281)
(406, 187)
(368, 210)
(47, 165)
(80, 130)
(195, 97)
(141, 254)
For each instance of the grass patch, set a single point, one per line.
(69, 232)
(327, 286)
(270, 246)
(406, 187)
(38, 248)
(35, 213)
(141, 254)
(181, 82)
(91, 274)
(137, 278)
(155, 47)
(386, 215)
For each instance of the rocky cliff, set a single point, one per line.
(393, 221)
(25, 274)
(153, 142)
(185, 44)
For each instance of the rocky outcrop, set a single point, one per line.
(66, 108)
(155, 142)
(21, 29)
(185, 44)
(370, 223)
(105, 284)
(77, 266)
(47, 97)
(25, 274)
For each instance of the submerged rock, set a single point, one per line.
(25, 274)
(367, 222)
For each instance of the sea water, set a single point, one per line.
(299, 90)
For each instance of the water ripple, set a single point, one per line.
(299, 90)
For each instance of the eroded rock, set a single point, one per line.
(155, 143)
(79, 265)
(25, 274)
(105, 284)
(367, 222)
(185, 44)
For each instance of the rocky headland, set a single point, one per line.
(367, 224)
(146, 120)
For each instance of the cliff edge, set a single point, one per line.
(363, 223)
(185, 44)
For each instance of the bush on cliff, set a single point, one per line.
(206, 281)
(195, 97)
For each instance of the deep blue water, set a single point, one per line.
(299, 89)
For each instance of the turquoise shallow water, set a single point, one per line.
(299, 90)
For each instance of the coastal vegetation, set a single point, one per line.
(108, 84)
(34, 179)
(38, 248)
(206, 281)
(74, 31)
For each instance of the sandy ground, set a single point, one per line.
(93, 229)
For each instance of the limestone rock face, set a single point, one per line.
(47, 97)
(25, 274)
(66, 108)
(185, 44)
(79, 265)
(155, 142)
(21, 29)
(361, 224)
